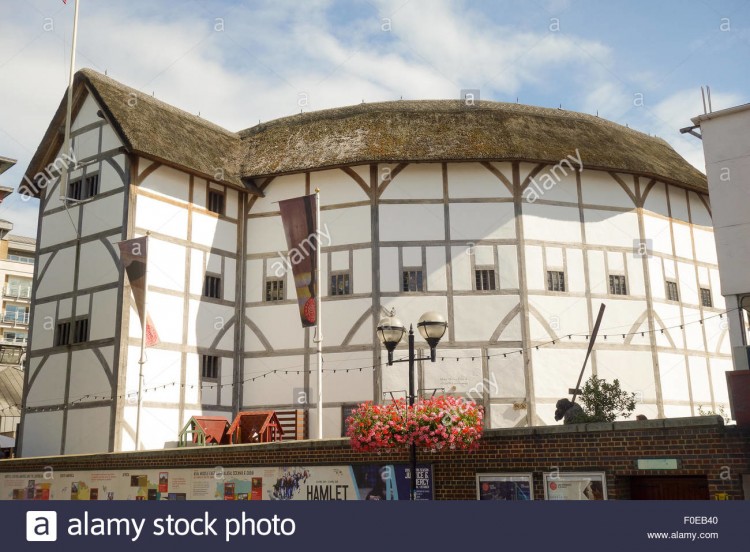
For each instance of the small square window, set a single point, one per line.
(617, 285)
(81, 330)
(340, 284)
(62, 334)
(216, 202)
(75, 189)
(672, 293)
(275, 290)
(706, 300)
(412, 280)
(209, 367)
(555, 280)
(92, 186)
(212, 287)
(485, 279)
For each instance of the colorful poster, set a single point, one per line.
(575, 486)
(391, 481)
(505, 486)
(298, 215)
(359, 482)
(163, 482)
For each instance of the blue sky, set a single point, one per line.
(238, 62)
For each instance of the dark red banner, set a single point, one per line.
(299, 218)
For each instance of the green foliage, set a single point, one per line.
(719, 412)
(605, 402)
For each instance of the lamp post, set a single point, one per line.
(391, 330)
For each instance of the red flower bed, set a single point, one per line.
(433, 424)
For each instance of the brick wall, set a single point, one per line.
(703, 447)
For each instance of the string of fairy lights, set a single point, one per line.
(298, 370)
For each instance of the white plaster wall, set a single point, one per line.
(162, 217)
(87, 430)
(336, 186)
(41, 433)
(416, 181)
(211, 231)
(103, 321)
(49, 386)
(476, 221)
(407, 222)
(599, 188)
(97, 267)
(167, 182)
(362, 270)
(472, 180)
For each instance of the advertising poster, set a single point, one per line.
(575, 486)
(391, 481)
(359, 482)
(505, 486)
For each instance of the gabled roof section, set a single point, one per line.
(148, 127)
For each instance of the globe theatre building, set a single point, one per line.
(514, 222)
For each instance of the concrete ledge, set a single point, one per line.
(667, 423)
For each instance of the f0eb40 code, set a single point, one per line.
(700, 520)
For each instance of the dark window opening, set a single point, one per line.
(555, 280)
(340, 284)
(413, 280)
(672, 293)
(617, 285)
(212, 287)
(62, 334)
(216, 202)
(81, 330)
(209, 367)
(274, 290)
(485, 279)
(706, 300)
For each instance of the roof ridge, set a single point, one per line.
(433, 106)
(92, 76)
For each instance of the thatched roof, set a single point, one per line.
(146, 126)
(448, 130)
(401, 131)
(11, 390)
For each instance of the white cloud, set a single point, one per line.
(270, 52)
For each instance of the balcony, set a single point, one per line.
(14, 318)
(18, 341)
(17, 293)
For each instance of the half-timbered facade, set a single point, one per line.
(514, 222)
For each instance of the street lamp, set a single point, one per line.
(391, 330)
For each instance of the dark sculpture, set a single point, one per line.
(569, 412)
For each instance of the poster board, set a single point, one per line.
(346, 482)
(505, 486)
(575, 486)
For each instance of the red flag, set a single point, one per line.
(133, 256)
(298, 216)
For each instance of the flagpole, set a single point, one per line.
(69, 108)
(318, 317)
(142, 359)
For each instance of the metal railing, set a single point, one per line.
(17, 292)
(5, 340)
(15, 318)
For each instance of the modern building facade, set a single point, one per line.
(515, 222)
(726, 143)
(16, 274)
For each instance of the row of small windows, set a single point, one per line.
(412, 279)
